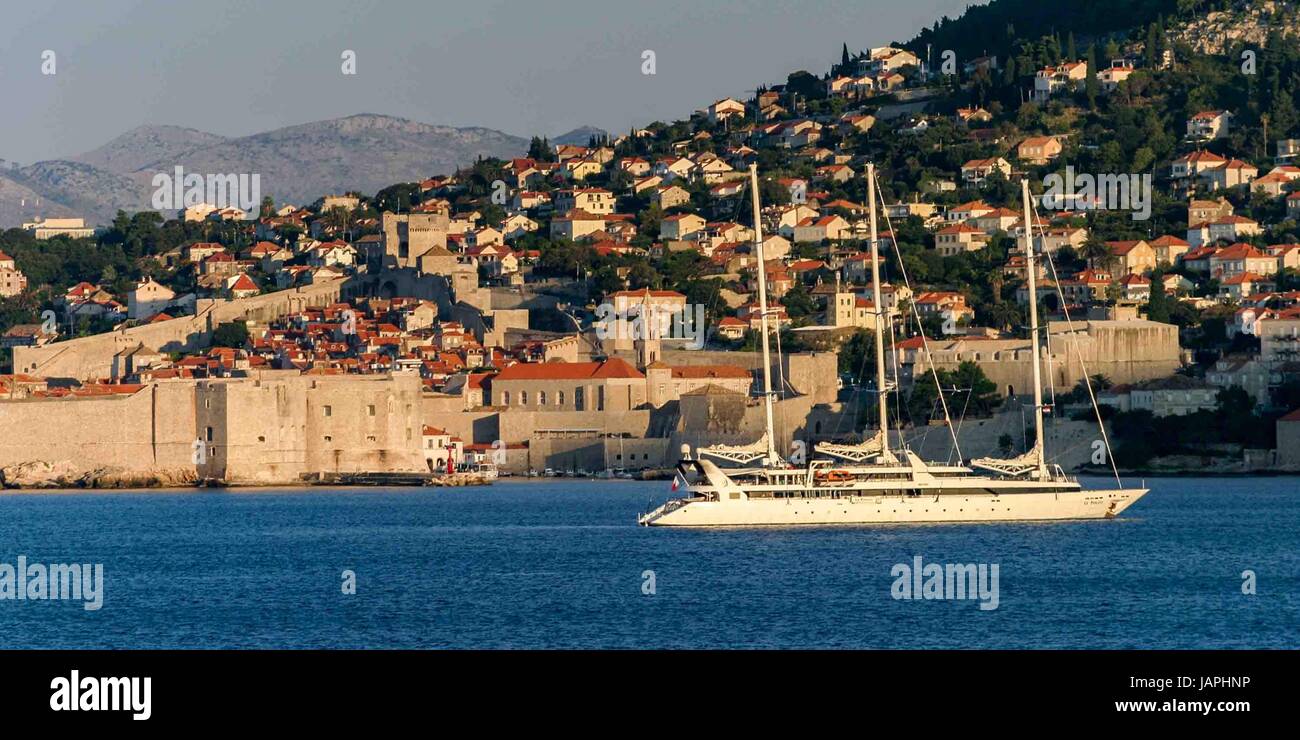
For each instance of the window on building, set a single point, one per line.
(329, 411)
(370, 410)
(559, 398)
(541, 398)
(523, 398)
(209, 434)
(505, 398)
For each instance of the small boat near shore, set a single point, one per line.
(457, 479)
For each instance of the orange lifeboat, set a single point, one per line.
(834, 476)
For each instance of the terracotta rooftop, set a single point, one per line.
(614, 367)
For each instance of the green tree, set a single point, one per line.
(858, 355)
(540, 150)
(1158, 308)
(798, 302)
(1091, 87)
(230, 334)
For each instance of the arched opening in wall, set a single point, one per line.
(1051, 302)
(388, 289)
(1011, 391)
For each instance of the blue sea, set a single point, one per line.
(561, 564)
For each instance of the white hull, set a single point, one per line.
(896, 509)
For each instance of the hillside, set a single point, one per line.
(580, 136)
(364, 152)
(18, 202)
(143, 145)
(297, 164)
(70, 188)
(1243, 23)
(997, 29)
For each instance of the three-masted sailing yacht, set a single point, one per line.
(872, 482)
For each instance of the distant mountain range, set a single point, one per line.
(297, 164)
(580, 136)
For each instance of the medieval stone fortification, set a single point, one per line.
(275, 427)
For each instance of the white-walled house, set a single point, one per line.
(148, 298)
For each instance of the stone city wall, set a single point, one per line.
(92, 357)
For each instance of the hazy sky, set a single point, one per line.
(236, 67)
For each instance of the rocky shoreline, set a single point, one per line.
(64, 474)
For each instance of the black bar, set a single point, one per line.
(1047, 689)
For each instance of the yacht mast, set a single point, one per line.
(882, 391)
(1033, 336)
(772, 458)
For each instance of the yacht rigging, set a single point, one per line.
(872, 482)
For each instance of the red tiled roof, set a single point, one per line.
(611, 368)
(710, 371)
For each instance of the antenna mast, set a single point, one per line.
(882, 390)
(772, 458)
(1033, 335)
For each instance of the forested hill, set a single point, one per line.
(996, 29)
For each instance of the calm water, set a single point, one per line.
(560, 564)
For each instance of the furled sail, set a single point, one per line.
(739, 454)
(854, 453)
(1014, 466)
